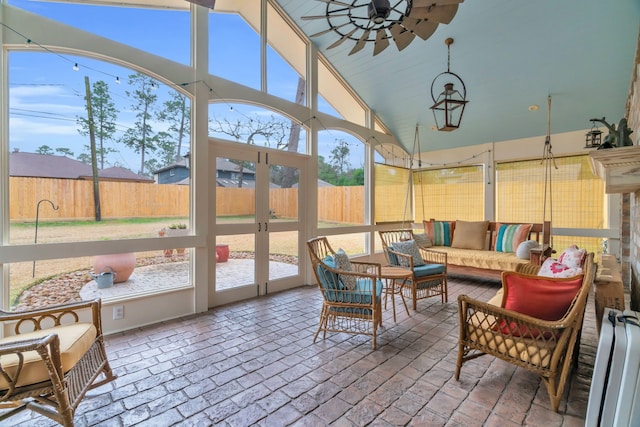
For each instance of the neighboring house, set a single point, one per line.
(227, 174)
(36, 165)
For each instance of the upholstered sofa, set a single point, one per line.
(486, 248)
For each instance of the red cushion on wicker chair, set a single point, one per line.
(540, 297)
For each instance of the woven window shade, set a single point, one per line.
(392, 200)
(450, 193)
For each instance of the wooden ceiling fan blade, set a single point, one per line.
(346, 5)
(343, 38)
(205, 3)
(308, 18)
(427, 3)
(328, 30)
(362, 41)
(421, 28)
(381, 43)
(441, 14)
(401, 36)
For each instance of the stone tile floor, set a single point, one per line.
(254, 363)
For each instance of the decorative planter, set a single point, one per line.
(222, 253)
(120, 264)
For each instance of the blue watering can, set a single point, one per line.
(104, 279)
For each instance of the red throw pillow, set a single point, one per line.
(540, 297)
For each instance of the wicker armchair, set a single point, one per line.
(544, 347)
(428, 280)
(52, 360)
(354, 308)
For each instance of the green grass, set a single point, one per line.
(105, 222)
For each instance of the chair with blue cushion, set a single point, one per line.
(351, 297)
(428, 267)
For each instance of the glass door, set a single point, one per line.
(257, 222)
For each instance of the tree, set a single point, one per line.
(105, 115)
(272, 132)
(65, 152)
(141, 137)
(339, 158)
(177, 114)
(44, 149)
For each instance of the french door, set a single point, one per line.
(258, 220)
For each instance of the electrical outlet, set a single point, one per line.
(118, 312)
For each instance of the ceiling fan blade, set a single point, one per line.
(381, 43)
(343, 38)
(362, 41)
(421, 28)
(328, 30)
(401, 36)
(205, 3)
(427, 3)
(308, 18)
(442, 14)
(346, 5)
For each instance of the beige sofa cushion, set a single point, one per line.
(75, 340)
(470, 235)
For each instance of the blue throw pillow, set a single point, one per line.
(343, 263)
(409, 248)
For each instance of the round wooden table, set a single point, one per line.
(395, 278)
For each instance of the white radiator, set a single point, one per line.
(614, 398)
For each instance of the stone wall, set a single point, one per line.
(630, 224)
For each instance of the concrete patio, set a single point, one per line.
(254, 363)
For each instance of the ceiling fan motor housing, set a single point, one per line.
(379, 10)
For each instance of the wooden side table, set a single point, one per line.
(393, 275)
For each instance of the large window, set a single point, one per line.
(574, 197)
(122, 24)
(255, 125)
(120, 175)
(449, 193)
(235, 44)
(341, 189)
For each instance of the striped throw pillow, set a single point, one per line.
(440, 232)
(509, 236)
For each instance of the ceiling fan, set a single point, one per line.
(205, 3)
(378, 21)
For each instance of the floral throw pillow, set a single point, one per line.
(552, 268)
(343, 263)
(409, 247)
(573, 257)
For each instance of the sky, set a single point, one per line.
(47, 95)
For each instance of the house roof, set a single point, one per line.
(37, 165)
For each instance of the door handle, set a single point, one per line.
(259, 227)
(265, 226)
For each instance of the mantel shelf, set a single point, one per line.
(618, 167)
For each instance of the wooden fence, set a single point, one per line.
(74, 199)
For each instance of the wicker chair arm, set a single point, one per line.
(366, 267)
(26, 344)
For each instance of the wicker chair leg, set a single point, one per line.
(459, 361)
(445, 290)
(414, 292)
(322, 325)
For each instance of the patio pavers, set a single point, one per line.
(255, 363)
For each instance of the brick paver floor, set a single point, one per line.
(254, 363)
